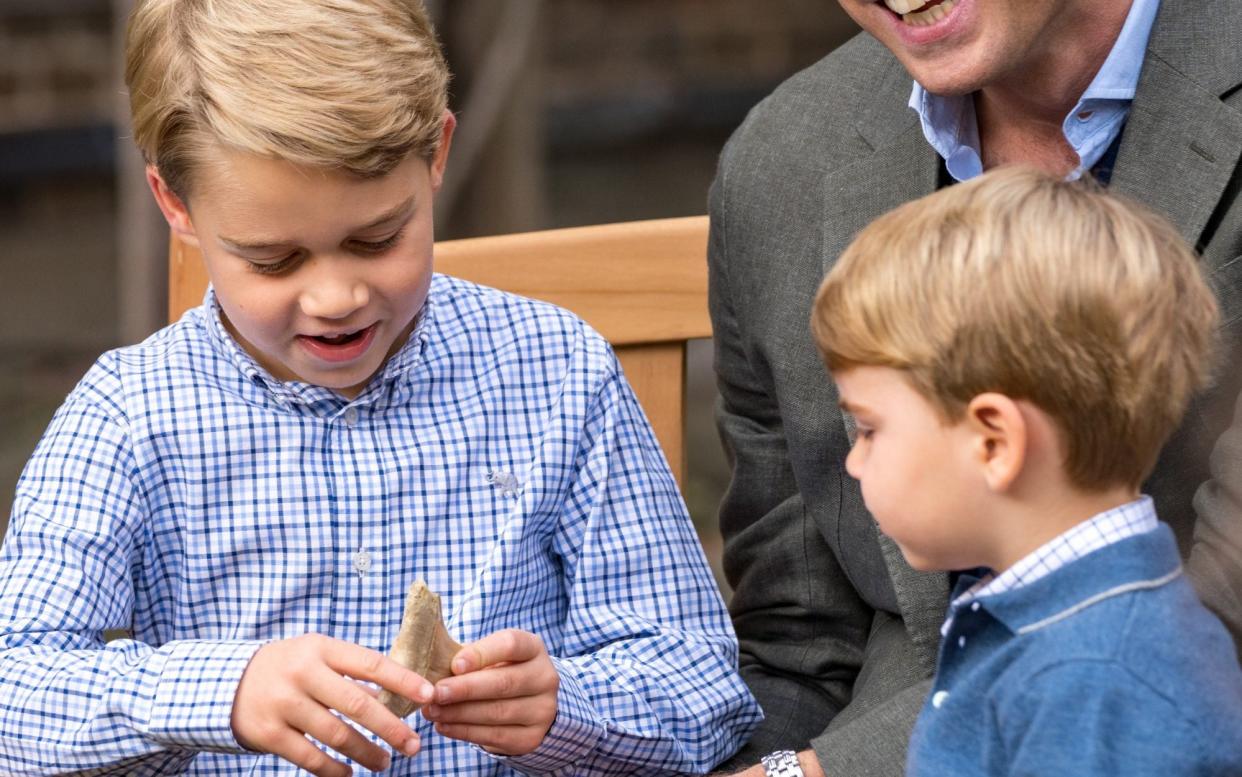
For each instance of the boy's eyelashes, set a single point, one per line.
(863, 430)
(287, 262)
(273, 267)
(378, 246)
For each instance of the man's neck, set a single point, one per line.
(1020, 116)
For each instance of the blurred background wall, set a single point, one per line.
(571, 112)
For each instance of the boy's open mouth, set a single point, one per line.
(342, 339)
(920, 13)
(340, 346)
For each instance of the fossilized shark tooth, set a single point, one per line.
(422, 645)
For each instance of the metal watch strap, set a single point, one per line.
(782, 763)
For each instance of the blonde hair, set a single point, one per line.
(1090, 308)
(347, 84)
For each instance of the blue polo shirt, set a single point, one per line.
(1108, 665)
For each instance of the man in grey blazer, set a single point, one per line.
(838, 633)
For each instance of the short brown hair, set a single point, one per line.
(1091, 308)
(348, 84)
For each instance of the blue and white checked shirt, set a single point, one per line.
(951, 127)
(183, 493)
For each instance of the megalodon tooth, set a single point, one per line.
(422, 645)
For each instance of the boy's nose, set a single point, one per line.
(853, 462)
(333, 295)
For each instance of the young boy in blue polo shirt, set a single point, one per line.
(252, 490)
(1014, 351)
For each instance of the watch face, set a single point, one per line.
(782, 763)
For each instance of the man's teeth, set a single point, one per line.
(923, 18)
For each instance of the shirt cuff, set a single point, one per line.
(192, 706)
(575, 732)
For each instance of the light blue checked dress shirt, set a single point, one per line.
(183, 493)
(951, 127)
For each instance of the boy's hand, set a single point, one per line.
(290, 688)
(503, 694)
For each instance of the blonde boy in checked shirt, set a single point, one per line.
(251, 491)
(1014, 351)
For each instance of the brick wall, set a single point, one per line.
(56, 58)
(607, 46)
(616, 71)
(55, 66)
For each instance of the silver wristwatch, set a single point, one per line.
(782, 763)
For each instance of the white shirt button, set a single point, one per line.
(974, 607)
(961, 642)
(939, 698)
(351, 416)
(362, 562)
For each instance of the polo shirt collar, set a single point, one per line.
(1147, 560)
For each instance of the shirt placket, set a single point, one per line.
(359, 520)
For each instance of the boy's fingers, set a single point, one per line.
(358, 704)
(509, 645)
(501, 740)
(365, 664)
(501, 712)
(504, 682)
(297, 750)
(339, 736)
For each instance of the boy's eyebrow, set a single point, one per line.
(845, 405)
(401, 211)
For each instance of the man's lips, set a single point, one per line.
(339, 346)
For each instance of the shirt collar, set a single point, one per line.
(950, 126)
(1135, 559)
(301, 393)
(1119, 75)
(1099, 531)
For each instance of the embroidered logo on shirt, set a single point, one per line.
(507, 482)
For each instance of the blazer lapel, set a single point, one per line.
(902, 168)
(1180, 149)
(1182, 143)
(922, 598)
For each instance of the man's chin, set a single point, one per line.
(945, 76)
(946, 88)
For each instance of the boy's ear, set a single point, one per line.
(999, 437)
(175, 212)
(440, 160)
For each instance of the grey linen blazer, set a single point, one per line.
(838, 634)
